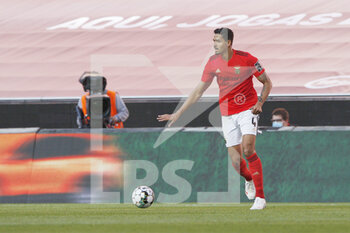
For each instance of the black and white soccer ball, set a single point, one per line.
(143, 196)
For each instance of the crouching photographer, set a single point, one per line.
(99, 107)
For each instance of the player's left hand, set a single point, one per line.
(257, 108)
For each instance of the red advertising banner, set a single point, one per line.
(56, 167)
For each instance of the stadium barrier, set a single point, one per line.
(60, 113)
(301, 164)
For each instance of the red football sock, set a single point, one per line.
(243, 170)
(255, 169)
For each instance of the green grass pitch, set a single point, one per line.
(101, 218)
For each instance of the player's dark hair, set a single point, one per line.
(226, 33)
(281, 111)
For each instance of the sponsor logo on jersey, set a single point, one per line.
(218, 71)
(239, 99)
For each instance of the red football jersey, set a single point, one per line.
(235, 79)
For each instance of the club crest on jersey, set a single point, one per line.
(237, 69)
(258, 67)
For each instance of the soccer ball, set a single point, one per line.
(143, 196)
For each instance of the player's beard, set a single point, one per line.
(219, 51)
(222, 52)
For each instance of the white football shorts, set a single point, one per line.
(237, 125)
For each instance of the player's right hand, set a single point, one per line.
(164, 117)
(168, 117)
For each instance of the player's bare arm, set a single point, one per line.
(193, 97)
(267, 86)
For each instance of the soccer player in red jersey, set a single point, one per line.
(239, 106)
